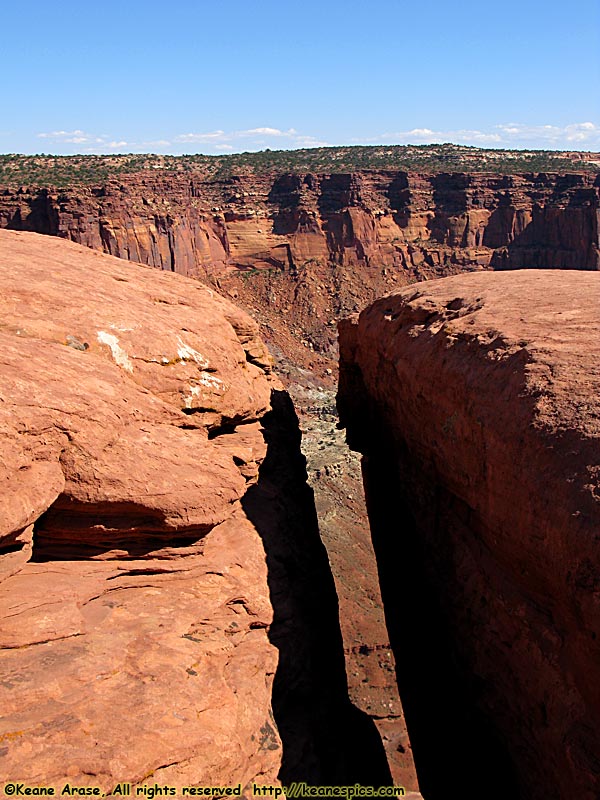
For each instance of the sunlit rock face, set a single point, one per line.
(474, 400)
(134, 599)
(423, 225)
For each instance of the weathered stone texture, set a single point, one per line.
(475, 402)
(422, 225)
(134, 600)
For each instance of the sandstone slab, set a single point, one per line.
(134, 601)
(475, 402)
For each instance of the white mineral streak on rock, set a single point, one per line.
(120, 356)
(206, 381)
(187, 353)
(210, 382)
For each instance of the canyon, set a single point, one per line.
(299, 252)
(168, 610)
(474, 401)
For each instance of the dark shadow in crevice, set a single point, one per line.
(455, 746)
(326, 740)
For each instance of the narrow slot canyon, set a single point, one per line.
(326, 739)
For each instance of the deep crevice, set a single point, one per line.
(455, 746)
(12, 548)
(326, 740)
(74, 531)
(220, 430)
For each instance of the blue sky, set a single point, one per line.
(228, 76)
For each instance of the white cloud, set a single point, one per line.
(72, 137)
(250, 136)
(583, 135)
(578, 135)
(210, 142)
(59, 134)
(267, 131)
(553, 135)
(102, 143)
(309, 141)
(250, 139)
(200, 137)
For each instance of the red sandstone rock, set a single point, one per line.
(300, 251)
(478, 396)
(422, 225)
(323, 245)
(134, 600)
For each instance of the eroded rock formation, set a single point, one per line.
(418, 223)
(134, 603)
(475, 402)
(167, 611)
(299, 251)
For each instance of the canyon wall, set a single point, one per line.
(167, 612)
(423, 225)
(300, 251)
(474, 400)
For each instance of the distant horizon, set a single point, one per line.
(192, 154)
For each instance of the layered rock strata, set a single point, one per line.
(418, 223)
(134, 601)
(474, 400)
(299, 251)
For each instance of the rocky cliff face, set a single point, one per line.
(418, 223)
(167, 610)
(474, 402)
(299, 251)
(134, 588)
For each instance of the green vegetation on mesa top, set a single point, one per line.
(63, 171)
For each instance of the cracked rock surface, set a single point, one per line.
(131, 579)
